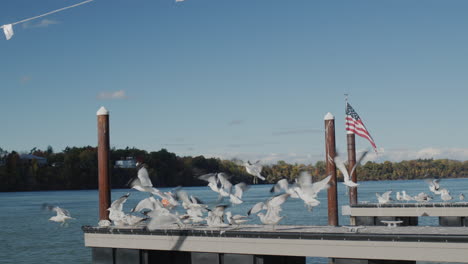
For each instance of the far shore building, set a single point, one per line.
(28, 158)
(127, 163)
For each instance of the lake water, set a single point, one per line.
(26, 235)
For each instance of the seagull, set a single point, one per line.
(384, 198)
(359, 160)
(239, 190)
(284, 185)
(272, 207)
(62, 214)
(151, 204)
(216, 217)
(461, 197)
(422, 197)
(212, 179)
(398, 196)
(225, 185)
(159, 220)
(116, 213)
(445, 195)
(235, 219)
(341, 166)
(308, 191)
(194, 207)
(406, 197)
(254, 169)
(434, 186)
(143, 182)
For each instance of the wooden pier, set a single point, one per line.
(415, 243)
(364, 242)
(449, 214)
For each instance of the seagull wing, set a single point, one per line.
(282, 184)
(219, 210)
(225, 183)
(341, 166)
(210, 177)
(278, 200)
(358, 162)
(386, 195)
(320, 185)
(164, 220)
(144, 177)
(257, 208)
(239, 189)
(147, 203)
(118, 204)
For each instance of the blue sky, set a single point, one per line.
(245, 79)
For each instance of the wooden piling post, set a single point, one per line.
(330, 153)
(103, 163)
(351, 140)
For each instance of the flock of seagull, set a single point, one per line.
(162, 209)
(159, 209)
(422, 197)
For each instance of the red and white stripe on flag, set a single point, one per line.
(355, 125)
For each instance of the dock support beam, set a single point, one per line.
(330, 153)
(103, 163)
(351, 140)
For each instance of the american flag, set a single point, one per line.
(354, 124)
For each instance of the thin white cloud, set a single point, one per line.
(397, 155)
(41, 24)
(112, 95)
(235, 122)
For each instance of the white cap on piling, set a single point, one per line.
(102, 111)
(329, 116)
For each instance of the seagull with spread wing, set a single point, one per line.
(308, 191)
(62, 215)
(272, 207)
(142, 182)
(254, 169)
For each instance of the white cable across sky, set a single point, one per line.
(8, 30)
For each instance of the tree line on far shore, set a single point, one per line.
(77, 168)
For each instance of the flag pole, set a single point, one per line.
(351, 146)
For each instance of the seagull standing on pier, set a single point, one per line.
(422, 197)
(398, 196)
(62, 215)
(461, 197)
(406, 197)
(445, 195)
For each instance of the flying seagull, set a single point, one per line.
(342, 167)
(142, 182)
(254, 169)
(62, 215)
(384, 198)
